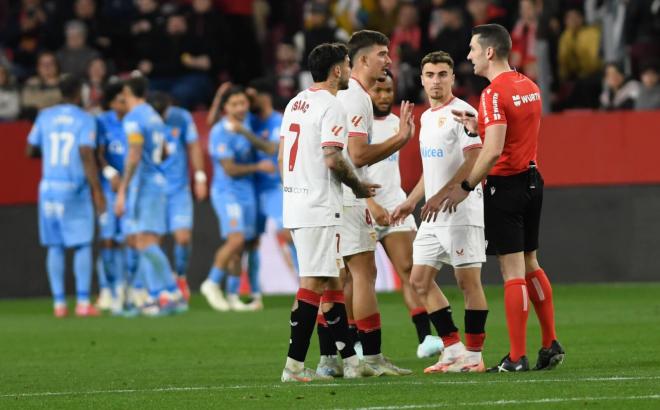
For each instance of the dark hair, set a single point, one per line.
(233, 90)
(110, 92)
(138, 85)
(618, 65)
(70, 86)
(323, 57)
(437, 57)
(262, 85)
(363, 39)
(160, 101)
(495, 36)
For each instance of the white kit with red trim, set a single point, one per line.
(442, 142)
(312, 195)
(386, 172)
(360, 118)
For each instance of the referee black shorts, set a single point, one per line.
(512, 212)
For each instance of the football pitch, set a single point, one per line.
(205, 359)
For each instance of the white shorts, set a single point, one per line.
(318, 251)
(458, 246)
(408, 225)
(357, 231)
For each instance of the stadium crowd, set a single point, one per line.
(583, 53)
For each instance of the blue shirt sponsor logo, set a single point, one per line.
(429, 152)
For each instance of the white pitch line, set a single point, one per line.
(509, 402)
(395, 382)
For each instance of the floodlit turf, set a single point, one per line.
(205, 359)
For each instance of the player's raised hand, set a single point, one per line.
(406, 120)
(365, 190)
(466, 118)
(266, 165)
(401, 212)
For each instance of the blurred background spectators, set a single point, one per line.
(598, 54)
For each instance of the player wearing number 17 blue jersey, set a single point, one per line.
(65, 137)
(142, 196)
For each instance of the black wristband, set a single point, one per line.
(466, 186)
(470, 134)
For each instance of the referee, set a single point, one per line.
(508, 123)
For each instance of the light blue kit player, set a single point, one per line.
(142, 196)
(233, 197)
(111, 150)
(65, 137)
(181, 144)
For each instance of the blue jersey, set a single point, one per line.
(224, 144)
(268, 129)
(59, 132)
(111, 136)
(181, 132)
(144, 126)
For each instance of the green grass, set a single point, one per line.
(206, 359)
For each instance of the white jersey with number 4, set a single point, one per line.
(312, 195)
(386, 172)
(442, 142)
(360, 115)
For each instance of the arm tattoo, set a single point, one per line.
(342, 170)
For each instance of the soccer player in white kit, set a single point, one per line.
(397, 240)
(368, 52)
(313, 135)
(457, 239)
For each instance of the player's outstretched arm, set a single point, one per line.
(343, 171)
(215, 113)
(362, 153)
(197, 162)
(236, 170)
(92, 175)
(402, 211)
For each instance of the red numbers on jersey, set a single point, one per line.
(294, 148)
(300, 106)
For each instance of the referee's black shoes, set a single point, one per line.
(506, 365)
(550, 358)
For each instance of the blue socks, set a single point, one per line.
(100, 273)
(109, 269)
(55, 268)
(253, 270)
(82, 269)
(181, 258)
(216, 275)
(233, 283)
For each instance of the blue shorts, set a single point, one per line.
(179, 210)
(110, 226)
(234, 215)
(270, 207)
(66, 217)
(146, 212)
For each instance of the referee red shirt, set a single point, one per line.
(514, 100)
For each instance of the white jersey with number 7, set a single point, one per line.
(312, 195)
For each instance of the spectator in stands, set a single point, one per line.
(9, 96)
(578, 47)
(319, 28)
(207, 28)
(26, 26)
(86, 12)
(649, 95)
(285, 76)
(146, 28)
(42, 90)
(92, 89)
(486, 12)
(642, 30)
(384, 17)
(180, 66)
(405, 50)
(610, 14)
(523, 40)
(75, 56)
(620, 92)
(452, 35)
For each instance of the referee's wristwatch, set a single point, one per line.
(465, 185)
